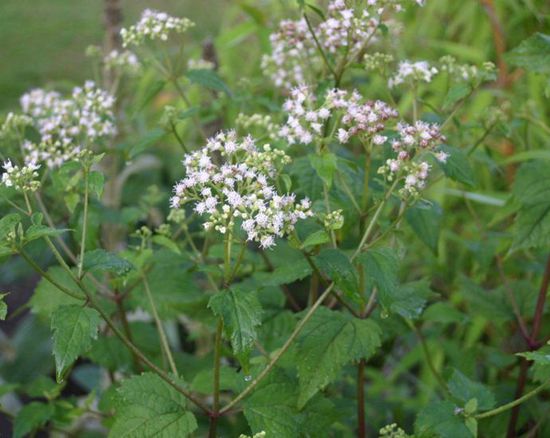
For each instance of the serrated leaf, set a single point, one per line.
(289, 273)
(47, 298)
(241, 313)
(74, 327)
(103, 261)
(96, 181)
(425, 219)
(8, 223)
(465, 389)
(317, 238)
(110, 353)
(337, 266)
(409, 299)
(208, 79)
(329, 341)
(31, 417)
(381, 267)
(539, 357)
(3, 307)
(148, 406)
(457, 166)
(532, 190)
(38, 231)
(168, 243)
(325, 165)
(532, 54)
(442, 419)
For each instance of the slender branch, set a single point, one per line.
(362, 429)
(319, 47)
(160, 328)
(84, 224)
(512, 404)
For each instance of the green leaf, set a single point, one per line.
(208, 79)
(241, 313)
(289, 273)
(101, 260)
(329, 341)
(539, 357)
(381, 268)
(532, 190)
(47, 297)
(325, 165)
(317, 238)
(31, 417)
(110, 353)
(457, 166)
(409, 300)
(96, 181)
(148, 407)
(465, 389)
(455, 94)
(166, 242)
(74, 327)
(38, 231)
(8, 223)
(425, 219)
(3, 307)
(532, 54)
(442, 419)
(337, 266)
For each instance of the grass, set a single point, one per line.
(43, 41)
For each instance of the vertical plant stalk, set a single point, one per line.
(524, 366)
(160, 328)
(84, 223)
(362, 427)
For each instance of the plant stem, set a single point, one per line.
(362, 428)
(160, 328)
(282, 351)
(319, 47)
(183, 95)
(84, 224)
(532, 341)
(514, 403)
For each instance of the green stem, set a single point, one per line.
(319, 47)
(183, 95)
(84, 224)
(160, 328)
(512, 404)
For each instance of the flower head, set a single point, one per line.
(154, 25)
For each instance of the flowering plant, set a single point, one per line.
(302, 246)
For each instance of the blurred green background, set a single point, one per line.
(44, 41)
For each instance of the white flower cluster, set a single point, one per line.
(364, 118)
(231, 179)
(468, 72)
(291, 47)
(154, 25)
(14, 124)
(413, 141)
(125, 61)
(420, 71)
(294, 51)
(67, 126)
(23, 178)
(359, 117)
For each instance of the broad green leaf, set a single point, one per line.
(47, 298)
(96, 181)
(317, 238)
(74, 327)
(325, 165)
(241, 313)
(146, 141)
(381, 269)
(38, 231)
(110, 353)
(8, 223)
(465, 389)
(455, 94)
(425, 219)
(329, 341)
(532, 54)
(31, 417)
(3, 307)
(409, 299)
(337, 266)
(208, 79)
(541, 357)
(148, 406)
(532, 190)
(457, 166)
(288, 273)
(166, 242)
(441, 419)
(103, 261)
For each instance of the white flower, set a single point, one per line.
(420, 71)
(21, 178)
(154, 25)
